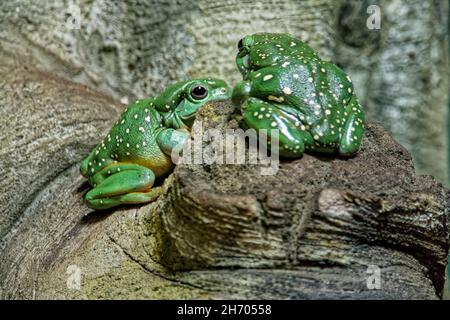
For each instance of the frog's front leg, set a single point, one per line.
(292, 135)
(121, 183)
(352, 132)
(172, 140)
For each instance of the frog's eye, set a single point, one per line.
(199, 92)
(240, 44)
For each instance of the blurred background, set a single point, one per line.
(396, 51)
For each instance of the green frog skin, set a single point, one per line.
(138, 148)
(286, 86)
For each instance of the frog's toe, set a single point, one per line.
(141, 197)
(128, 198)
(347, 150)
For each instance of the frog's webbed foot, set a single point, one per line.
(121, 184)
(352, 132)
(292, 134)
(128, 198)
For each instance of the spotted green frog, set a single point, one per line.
(138, 148)
(287, 86)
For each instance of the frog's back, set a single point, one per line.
(132, 139)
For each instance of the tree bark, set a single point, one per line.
(319, 219)
(319, 228)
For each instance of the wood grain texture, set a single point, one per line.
(224, 231)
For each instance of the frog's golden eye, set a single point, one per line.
(199, 92)
(240, 44)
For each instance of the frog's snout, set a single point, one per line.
(241, 92)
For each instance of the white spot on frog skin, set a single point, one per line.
(287, 90)
(118, 169)
(137, 146)
(122, 122)
(167, 107)
(127, 130)
(255, 114)
(273, 124)
(141, 129)
(349, 90)
(348, 78)
(292, 44)
(147, 118)
(303, 127)
(260, 116)
(322, 69)
(267, 77)
(310, 79)
(316, 137)
(317, 113)
(257, 75)
(136, 116)
(296, 76)
(284, 65)
(146, 110)
(262, 109)
(144, 143)
(328, 112)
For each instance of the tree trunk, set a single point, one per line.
(365, 227)
(314, 230)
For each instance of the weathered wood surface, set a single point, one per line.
(219, 231)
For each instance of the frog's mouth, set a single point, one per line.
(243, 64)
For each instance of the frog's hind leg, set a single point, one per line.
(121, 184)
(353, 130)
(292, 134)
(128, 198)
